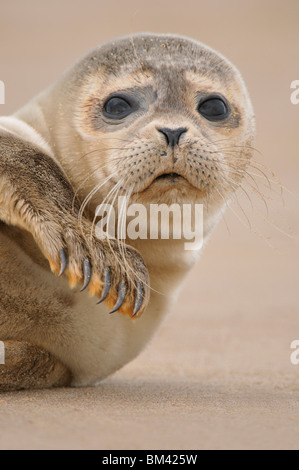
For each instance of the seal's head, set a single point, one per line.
(162, 117)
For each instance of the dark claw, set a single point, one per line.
(62, 261)
(86, 273)
(139, 298)
(107, 285)
(122, 291)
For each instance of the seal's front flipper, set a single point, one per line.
(28, 366)
(36, 195)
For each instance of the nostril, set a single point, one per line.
(172, 135)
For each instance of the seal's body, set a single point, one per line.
(160, 119)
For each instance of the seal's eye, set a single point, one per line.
(117, 107)
(213, 108)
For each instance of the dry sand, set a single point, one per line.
(218, 373)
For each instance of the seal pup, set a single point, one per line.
(159, 118)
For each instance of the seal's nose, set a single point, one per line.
(172, 135)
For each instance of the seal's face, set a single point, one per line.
(164, 118)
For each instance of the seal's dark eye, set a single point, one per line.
(213, 108)
(117, 108)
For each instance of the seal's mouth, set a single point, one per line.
(165, 182)
(173, 177)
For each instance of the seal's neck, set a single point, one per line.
(168, 262)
